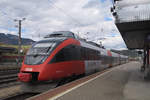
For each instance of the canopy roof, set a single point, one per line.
(132, 18)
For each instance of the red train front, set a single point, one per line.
(46, 60)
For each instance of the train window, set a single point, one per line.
(41, 48)
(34, 60)
(83, 53)
(60, 56)
(68, 53)
(89, 54)
(73, 52)
(38, 53)
(98, 55)
(76, 53)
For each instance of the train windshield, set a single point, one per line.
(39, 53)
(41, 49)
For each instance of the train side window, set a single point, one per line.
(68, 53)
(99, 55)
(87, 54)
(82, 53)
(72, 52)
(60, 56)
(77, 52)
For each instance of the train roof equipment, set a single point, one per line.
(60, 34)
(132, 18)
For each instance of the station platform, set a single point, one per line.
(124, 82)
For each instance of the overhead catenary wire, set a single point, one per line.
(64, 12)
(9, 18)
(53, 4)
(4, 13)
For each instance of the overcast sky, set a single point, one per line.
(78, 16)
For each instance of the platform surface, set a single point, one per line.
(122, 83)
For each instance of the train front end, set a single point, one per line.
(36, 60)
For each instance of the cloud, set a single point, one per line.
(45, 16)
(114, 43)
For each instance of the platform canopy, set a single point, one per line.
(132, 18)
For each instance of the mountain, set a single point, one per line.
(13, 39)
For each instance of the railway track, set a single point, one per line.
(23, 96)
(20, 96)
(8, 80)
(8, 71)
(8, 75)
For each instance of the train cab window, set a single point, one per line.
(41, 48)
(39, 53)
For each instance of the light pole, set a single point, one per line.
(19, 37)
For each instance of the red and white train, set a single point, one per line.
(63, 54)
